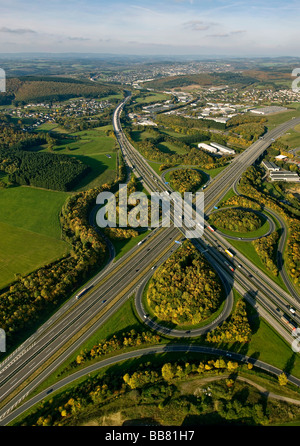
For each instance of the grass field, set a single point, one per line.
(279, 118)
(95, 149)
(292, 138)
(152, 97)
(248, 250)
(29, 230)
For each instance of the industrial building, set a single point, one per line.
(207, 147)
(268, 110)
(223, 149)
(271, 167)
(285, 175)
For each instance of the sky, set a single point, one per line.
(156, 27)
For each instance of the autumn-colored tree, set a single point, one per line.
(167, 372)
(282, 379)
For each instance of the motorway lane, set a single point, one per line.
(236, 170)
(258, 280)
(281, 246)
(243, 167)
(255, 292)
(78, 318)
(216, 190)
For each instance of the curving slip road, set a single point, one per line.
(144, 352)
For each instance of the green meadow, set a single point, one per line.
(30, 234)
(95, 148)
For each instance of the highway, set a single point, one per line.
(281, 247)
(218, 187)
(59, 337)
(101, 300)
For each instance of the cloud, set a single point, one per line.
(219, 35)
(17, 30)
(239, 31)
(198, 25)
(81, 39)
(229, 34)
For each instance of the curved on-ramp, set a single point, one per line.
(158, 349)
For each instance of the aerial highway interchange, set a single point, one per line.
(33, 361)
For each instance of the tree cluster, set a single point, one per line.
(186, 180)
(185, 289)
(42, 169)
(236, 220)
(242, 202)
(235, 329)
(114, 344)
(266, 248)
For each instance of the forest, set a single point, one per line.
(186, 180)
(203, 79)
(39, 169)
(266, 248)
(165, 394)
(37, 89)
(46, 170)
(236, 220)
(185, 289)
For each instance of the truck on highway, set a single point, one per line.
(229, 252)
(288, 322)
(229, 266)
(81, 293)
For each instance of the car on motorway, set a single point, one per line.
(104, 300)
(49, 391)
(292, 310)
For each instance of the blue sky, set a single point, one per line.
(200, 27)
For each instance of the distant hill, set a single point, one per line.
(272, 77)
(38, 89)
(203, 80)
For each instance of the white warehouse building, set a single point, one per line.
(204, 146)
(223, 149)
